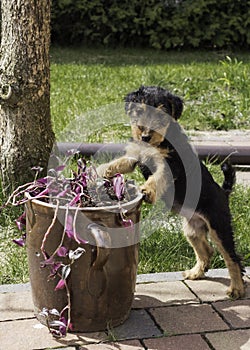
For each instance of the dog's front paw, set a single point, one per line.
(106, 170)
(195, 273)
(101, 169)
(149, 191)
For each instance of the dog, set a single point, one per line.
(173, 172)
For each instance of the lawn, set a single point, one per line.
(87, 91)
(214, 86)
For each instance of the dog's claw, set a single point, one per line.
(149, 195)
(103, 171)
(109, 172)
(236, 293)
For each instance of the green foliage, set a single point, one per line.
(155, 23)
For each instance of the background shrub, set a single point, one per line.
(153, 23)
(161, 24)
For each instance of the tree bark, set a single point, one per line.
(26, 135)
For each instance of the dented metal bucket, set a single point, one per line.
(102, 281)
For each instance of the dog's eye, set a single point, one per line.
(139, 111)
(134, 121)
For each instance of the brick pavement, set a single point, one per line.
(168, 313)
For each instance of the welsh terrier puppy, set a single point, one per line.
(174, 173)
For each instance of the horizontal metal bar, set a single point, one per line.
(90, 149)
(238, 154)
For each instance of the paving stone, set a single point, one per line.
(214, 289)
(160, 294)
(181, 342)
(139, 325)
(233, 340)
(30, 334)
(14, 306)
(237, 312)
(191, 318)
(211, 289)
(126, 345)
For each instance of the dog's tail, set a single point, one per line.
(229, 177)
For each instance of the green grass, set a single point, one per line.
(214, 86)
(13, 259)
(87, 91)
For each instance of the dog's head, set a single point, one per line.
(151, 109)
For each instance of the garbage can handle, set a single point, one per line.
(103, 245)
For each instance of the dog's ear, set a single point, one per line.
(128, 99)
(176, 105)
(134, 96)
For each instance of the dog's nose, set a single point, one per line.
(146, 138)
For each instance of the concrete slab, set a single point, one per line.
(15, 288)
(233, 340)
(161, 294)
(14, 306)
(138, 326)
(214, 288)
(181, 342)
(243, 178)
(126, 345)
(237, 312)
(211, 289)
(30, 334)
(225, 136)
(186, 319)
(159, 277)
(223, 273)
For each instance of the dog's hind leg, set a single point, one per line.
(226, 247)
(195, 231)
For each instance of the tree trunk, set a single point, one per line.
(26, 136)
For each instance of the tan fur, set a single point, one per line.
(135, 153)
(145, 125)
(196, 232)
(237, 288)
